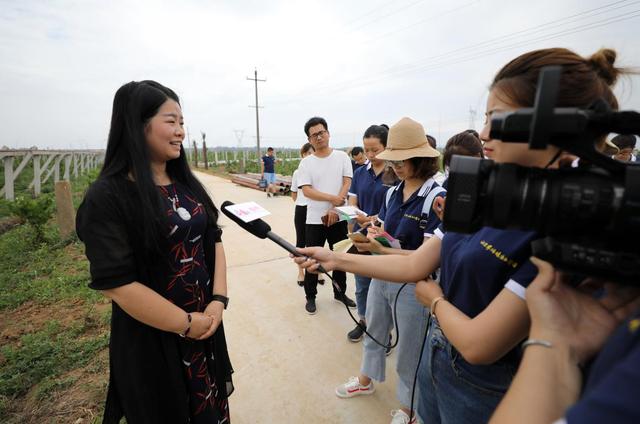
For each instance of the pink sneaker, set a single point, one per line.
(353, 388)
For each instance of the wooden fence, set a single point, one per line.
(59, 164)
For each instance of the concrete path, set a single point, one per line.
(287, 363)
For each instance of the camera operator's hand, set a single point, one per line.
(568, 317)
(427, 290)
(315, 256)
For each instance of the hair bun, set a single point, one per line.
(602, 62)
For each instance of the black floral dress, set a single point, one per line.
(190, 286)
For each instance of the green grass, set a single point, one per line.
(282, 168)
(42, 356)
(38, 361)
(44, 273)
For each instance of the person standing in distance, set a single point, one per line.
(358, 158)
(325, 178)
(268, 171)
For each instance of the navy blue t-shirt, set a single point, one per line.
(355, 165)
(404, 220)
(367, 187)
(268, 164)
(612, 390)
(476, 267)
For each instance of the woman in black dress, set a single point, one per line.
(154, 247)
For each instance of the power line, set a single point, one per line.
(387, 15)
(372, 11)
(398, 68)
(476, 55)
(422, 21)
(441, 61)
(538, 28)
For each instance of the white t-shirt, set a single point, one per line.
(300, 199)
(325, 175)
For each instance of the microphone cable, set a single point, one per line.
(363, 328)
(415, 375)
(391, 346)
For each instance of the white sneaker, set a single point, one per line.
(353, 388)
(398, 416)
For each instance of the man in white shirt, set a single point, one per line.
(324, 178)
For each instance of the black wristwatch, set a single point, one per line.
(222, 299)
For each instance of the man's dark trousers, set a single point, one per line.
(316, 236)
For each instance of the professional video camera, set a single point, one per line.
(588, 218)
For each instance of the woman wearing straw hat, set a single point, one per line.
(479, 312)
(405, 218)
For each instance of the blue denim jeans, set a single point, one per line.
(454, 391)
(362, 290)
(412, 323)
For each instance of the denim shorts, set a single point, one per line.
(452, 391)
(270, 177)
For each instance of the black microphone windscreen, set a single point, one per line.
(258, 227)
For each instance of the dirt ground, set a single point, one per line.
(287, 363)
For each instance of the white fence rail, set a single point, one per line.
(59, 164)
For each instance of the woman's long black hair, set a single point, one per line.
(127, 156)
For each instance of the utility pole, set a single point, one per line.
(204, 150)
(257, 106)
(472, 118)
(188, 139)
(239, 134)
(195, 153)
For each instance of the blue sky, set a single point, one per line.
(356, 63)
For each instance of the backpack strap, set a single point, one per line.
(429, 198)
(388, 196)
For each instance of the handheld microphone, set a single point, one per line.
(262, 230)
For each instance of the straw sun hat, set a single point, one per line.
(406, 140)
